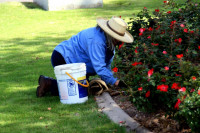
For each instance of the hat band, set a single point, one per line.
(121, 34)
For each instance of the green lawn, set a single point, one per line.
(28, 36)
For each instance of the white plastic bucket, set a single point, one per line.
(70, 91)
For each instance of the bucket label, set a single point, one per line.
(82, 90)
(71, 87)
(63, 93)
(81, 78)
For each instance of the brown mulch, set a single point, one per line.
(155, 122)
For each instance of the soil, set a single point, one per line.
(155, 122)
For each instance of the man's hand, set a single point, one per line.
(121, 84)
(116, 83)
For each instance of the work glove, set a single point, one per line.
(122, 84)
(97, 87)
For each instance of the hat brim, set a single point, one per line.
(127, 38)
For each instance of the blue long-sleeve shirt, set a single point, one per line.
(89, 46)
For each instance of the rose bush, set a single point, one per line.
(162, 65)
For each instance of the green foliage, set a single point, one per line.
(189, 111)
(163, 62)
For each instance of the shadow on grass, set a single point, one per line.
(31, 5)
(24, 60)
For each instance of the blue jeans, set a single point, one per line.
(56, 59)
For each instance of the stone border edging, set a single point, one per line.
(117, 115)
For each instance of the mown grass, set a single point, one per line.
(28, 36)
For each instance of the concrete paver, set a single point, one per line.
(108, 106)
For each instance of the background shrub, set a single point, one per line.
(162, 65)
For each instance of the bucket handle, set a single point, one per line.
(77, 81)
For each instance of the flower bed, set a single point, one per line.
(162, 65)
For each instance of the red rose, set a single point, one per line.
(157, 10)
(194, 78)
(158, 27)
(182, 25)
(140, 89)
(140, 34)
(199, 92)
(142, 30)
(121, 45)
(145, 8)
(149, 37)
(154, 44)
(164, 52)
(121, 122)
(180, 40)
(191, 31)
(163, 32)
(136, 63)
(173, 22)
(169, 12)
(192, 90)
(177, 104)
(183, 89)
(147, 94)
(199, 47)
(178, 75)
(166, 68)
(136, 50)
(150, 29)
(163, 80)
(163, 87)
(185, 30)
(165, 1)
(175, 86)
(115, 69)
(179, 56)
(150, 72)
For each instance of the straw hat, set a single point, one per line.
(116, 27)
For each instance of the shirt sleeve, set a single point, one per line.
(97, 55)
